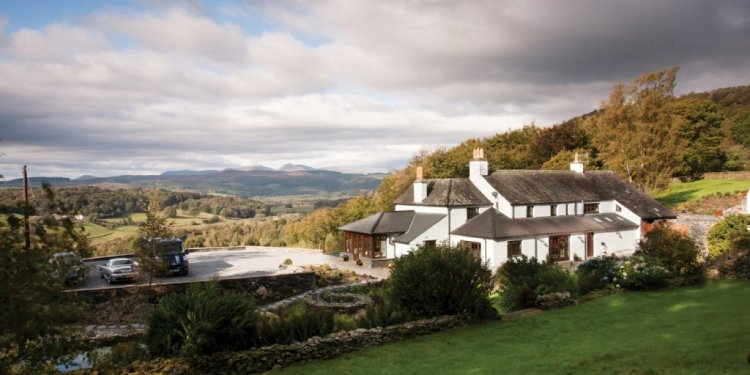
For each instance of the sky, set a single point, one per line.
(140, 87)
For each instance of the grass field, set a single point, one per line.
(697, 330)
(99, 234)
(680, 193)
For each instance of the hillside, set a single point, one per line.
(295, 181)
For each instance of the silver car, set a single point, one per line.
(118, 269)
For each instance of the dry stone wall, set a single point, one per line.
(316, 348)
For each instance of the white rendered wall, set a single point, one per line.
(542, 211)
(623, 242)
(577, 245)
(422, 209)
(437, 233)
(518, 212)
(498, 201)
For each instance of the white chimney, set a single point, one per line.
(478, 165)
(577, 164)
(420, 187)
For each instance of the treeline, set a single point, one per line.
(642, 132)
(98, 203)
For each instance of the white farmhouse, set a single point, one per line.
(557, 215)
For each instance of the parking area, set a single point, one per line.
(252, 261)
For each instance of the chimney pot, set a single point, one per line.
(420, 174)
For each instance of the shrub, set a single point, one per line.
(554, 300)
(432, 281)
(640, 272)
(202, 320)
(298, 322)
(288, 262)
(721, 234)
(598, 273)
(521, 280)
(677, 253)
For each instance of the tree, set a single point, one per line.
(698, 123)
(35, 316)
(155, 226)
(739, 128)
(633, 131)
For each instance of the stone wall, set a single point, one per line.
(316, 348)
(265, 288)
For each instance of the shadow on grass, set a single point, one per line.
(676, 198)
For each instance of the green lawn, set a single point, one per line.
(698, 330)
(679, 193)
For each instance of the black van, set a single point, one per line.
(171, 254)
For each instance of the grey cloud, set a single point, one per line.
(389, 79)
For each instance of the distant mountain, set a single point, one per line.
(295, 168)
(85, 177)
(185, 172)
(252, 168)
(269, 182)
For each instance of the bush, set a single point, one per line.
(598, 273)
(432, 281)
(676, 252)
(522, 280)
(721, 234)
(202, 320)
(640, 272)
(297, 323)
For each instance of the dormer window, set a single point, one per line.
(591, 208)
(471, 212)
(529, 211)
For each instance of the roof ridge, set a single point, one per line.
(377, 221)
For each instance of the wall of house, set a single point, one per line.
(499, 202)
(518, 212)
(422, 209)
(437, 232)
(577, 245)
(623, 242)
(542, 210)
(498, 251)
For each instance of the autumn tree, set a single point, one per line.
(633, 132)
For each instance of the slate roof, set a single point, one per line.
(409, 223)
(419, 225)
(446, 192)
(491, 224)
(523, 187)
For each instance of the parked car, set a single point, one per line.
(67, 267)
(170, 255)
(118, 269)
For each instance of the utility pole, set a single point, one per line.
(27, 228)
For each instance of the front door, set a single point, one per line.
(589, 245)
(558, 248)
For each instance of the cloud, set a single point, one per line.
(351, 85)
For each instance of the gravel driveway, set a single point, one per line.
(253, 261)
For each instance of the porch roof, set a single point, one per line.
(491, 224)
(406, 223)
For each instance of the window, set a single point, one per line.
(591, 208)
(618, 208)
(514, 249)
(529, 211)
(474, 248)
(430, 244)
(471, 212)
(553, 210)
